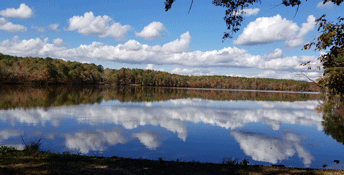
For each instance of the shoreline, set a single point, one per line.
(31, 161)
(247, 90)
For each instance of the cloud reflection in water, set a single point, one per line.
(149, 139)
(94, 141)
(173, 116)
(272, 150)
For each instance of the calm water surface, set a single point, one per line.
(201, 125)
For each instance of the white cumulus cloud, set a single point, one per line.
(58, 42)
(40, 29)
(23, 12)
(54, 27)
(172, 53)
(289, 75)
(103, 26)
(327, 5)
(32, 47)
(249, 11)
(151, 67)
(178, 45)
(194, 71)
(10, 27)
(271, 29)
(299, 38)
(152, 31)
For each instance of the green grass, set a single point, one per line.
(32, 161)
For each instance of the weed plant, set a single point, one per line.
(6, 149)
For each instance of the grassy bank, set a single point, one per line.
(34, 161)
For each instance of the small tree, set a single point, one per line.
(332, 38)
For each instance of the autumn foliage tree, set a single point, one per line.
(332, 39)
(29, 70)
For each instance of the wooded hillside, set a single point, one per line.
(29, 70)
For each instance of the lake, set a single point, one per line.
(173, 124)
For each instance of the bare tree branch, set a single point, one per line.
(311, 80)
(297, 9)
(190, 6)
(23, 140)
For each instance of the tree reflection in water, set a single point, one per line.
(50, 96)
(333, 116)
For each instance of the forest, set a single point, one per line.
(49, 71)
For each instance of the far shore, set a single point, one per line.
(50, 71)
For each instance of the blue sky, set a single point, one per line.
(140, 34)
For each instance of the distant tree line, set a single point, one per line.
(29, 70)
